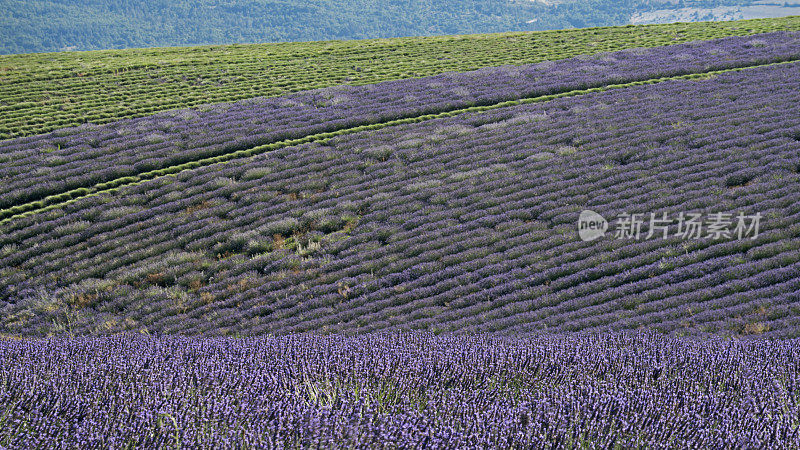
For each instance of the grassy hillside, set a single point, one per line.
(44, 92)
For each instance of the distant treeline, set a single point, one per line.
(54, 25)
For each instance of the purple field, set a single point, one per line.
(412, 391)
(37, 166)
(400, 265)
(463, 223)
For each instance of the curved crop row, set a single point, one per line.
(62, 165)
(44, 92)
(464, 223)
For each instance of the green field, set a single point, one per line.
(44, 92)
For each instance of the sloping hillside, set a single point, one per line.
(447, 203)
(45, 92)
(549, 240)
(58, 25)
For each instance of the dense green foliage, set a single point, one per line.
(52, 25)
(44, 92)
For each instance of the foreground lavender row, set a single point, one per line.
(36, 166)
(406, 391)
(459, 224)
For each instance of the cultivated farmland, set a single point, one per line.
(414, 390)
(48, 91)
(399, 263)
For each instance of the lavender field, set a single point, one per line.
(81, 157)
(389, 391)
(403, 265)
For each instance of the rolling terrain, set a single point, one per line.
(49, 91)
(379, 243)
(446, 203)
(58, 25)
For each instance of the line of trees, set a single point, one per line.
(53, 25)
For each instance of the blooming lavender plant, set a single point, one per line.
(80, 158)
(405, 390)
(463, 223)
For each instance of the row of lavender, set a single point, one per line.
(459, 224)
(34, 167)
(400, 391)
